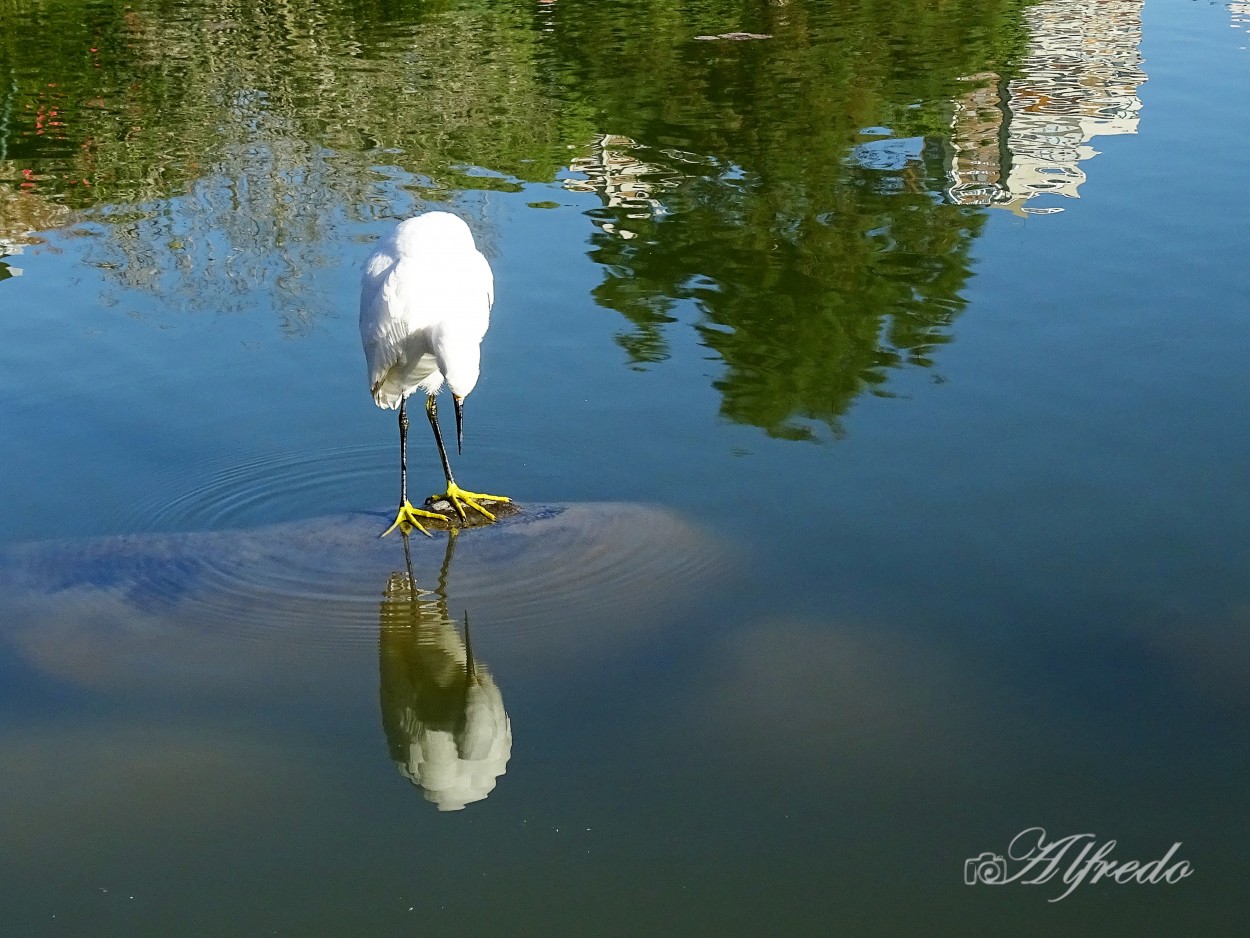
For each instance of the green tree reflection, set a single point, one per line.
(817, 257)
(218, 144)
(818, 250)
(128, 102)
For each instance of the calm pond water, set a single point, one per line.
(873, 378)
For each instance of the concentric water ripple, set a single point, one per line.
(265, 488)
(275, 487)
(551, 580)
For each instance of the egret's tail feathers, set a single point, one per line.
(387, 394)
(403, 377)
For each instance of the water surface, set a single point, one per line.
(922, 328)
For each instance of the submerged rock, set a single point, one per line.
(545, 583)
(471, 519)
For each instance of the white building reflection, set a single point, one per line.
(22, 214)
(1240, 12)
(622, 179)
(1017, 139)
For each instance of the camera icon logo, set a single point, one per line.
(987, 868)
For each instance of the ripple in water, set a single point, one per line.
(265, 488)
(275, 487)
(555, 580)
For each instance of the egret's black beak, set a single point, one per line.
(459, 404)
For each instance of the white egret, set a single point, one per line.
(425, 299)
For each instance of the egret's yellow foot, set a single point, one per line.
(455, 494)
(408, 517)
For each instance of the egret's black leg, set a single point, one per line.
(403, 451)
(431, 411)
(455, 494)
(407, 515)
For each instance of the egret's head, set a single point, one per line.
(460, 365)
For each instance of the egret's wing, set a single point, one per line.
(375, 326)
(396, 348)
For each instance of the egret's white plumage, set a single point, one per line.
(425, 299)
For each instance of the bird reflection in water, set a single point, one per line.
(445, 724)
